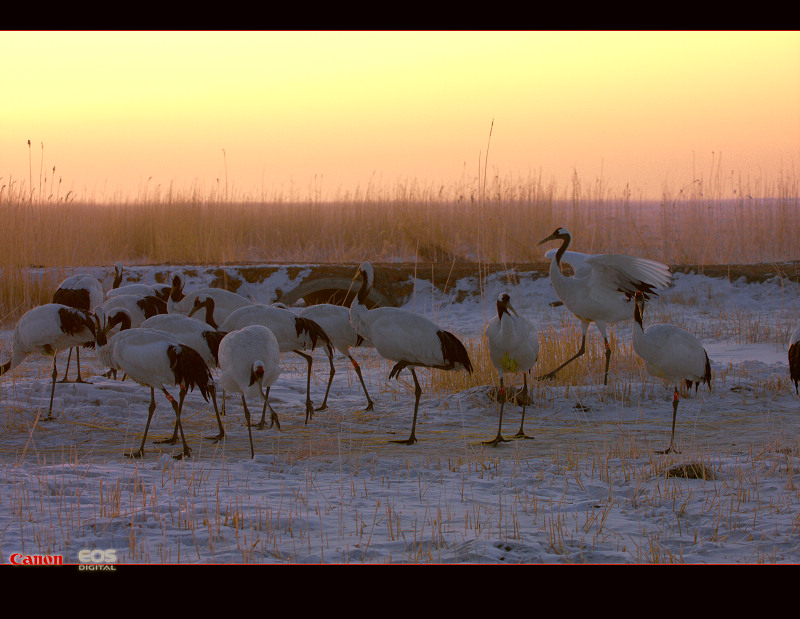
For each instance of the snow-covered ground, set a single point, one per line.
(588, 488)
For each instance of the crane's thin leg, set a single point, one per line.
(174, 438)
(78, 365)
(370, 403)
(140, 452)
(417, 392)
(273, 417)
(608, 360)
(186, 449)
(309, 404)
(671, 447)
(213, 389)
(52, 390)
(521, 433)
(580, 352)
(66, 371)
(330, 381)
(501, 395)
(249, 431)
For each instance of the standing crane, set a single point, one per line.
(513, 347)
(407, 338)
(249, 361)
(602, 288)
(46, 329)
(671, 354)
(82, 292)
(157, 360)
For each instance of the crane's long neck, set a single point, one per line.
(358, 308)
(209, 305)
(555, 265)
(560, 253)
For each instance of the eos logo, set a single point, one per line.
(91, 558)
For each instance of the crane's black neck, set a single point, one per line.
(560, 253)
(363, 291)
(209, 305)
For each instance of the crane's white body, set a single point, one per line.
(82, 292)
(335, 321)
(513, 347)
(670, 353)
(225, 302)
(293, 333)
(191, 332)
(409, 339)
(158, 360)
(45, 330)
(603, 285)
(141, 290)
(602, 288)
(249, 361)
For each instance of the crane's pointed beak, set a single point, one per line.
(552, 237)
(511, 309)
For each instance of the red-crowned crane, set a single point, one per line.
(671, 354)
(46, 330)
(82, 292)
(407, 338)
(157, 360)
(140, 308)
(249, 361)
(335, 321)
(794, 358)
(513, 347)
(225, 302)
(602, 288)
(199, 336)
(294, 333)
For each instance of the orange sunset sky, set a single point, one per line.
(117, 112)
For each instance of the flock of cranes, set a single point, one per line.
(151, 334)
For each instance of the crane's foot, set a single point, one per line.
(496, 440)
(139, 453)
(409, 441)
(321, 408)
(370, 407)
(167, 441)
(521, 434)
(217, 438)
(186, 453)
(669, 450)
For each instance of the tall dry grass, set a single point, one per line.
(490, 219)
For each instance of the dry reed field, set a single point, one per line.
(724, 220)
(589, 487)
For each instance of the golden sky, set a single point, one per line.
(288, 112)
